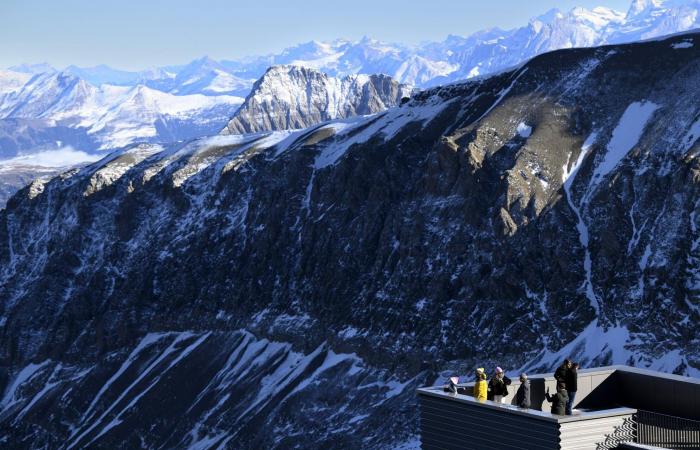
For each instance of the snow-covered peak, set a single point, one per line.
(608, 12)
(11, 81)
(642, 6)
(293, 97)
(598, 17)
(114, 115)
(580, 18)
(375, 48)
(649, 19)
(549, 17)
(202, 63)
(209, 77)
(44, 91)
(311, 50)
(33, 68)
(279, 69)
(136, 114)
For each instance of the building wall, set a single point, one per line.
(660, 393)
(447, 424)
(451, 422)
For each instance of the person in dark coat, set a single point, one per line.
(571, 387)
(498, 386)
(522, 396)
(558, 400)
(560, 374)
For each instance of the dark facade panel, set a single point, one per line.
(447, 424)
(660, 393)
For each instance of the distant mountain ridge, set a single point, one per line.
(55, 110)
(99, 108)
(63, 114)
(112, 116)
(454, 58)
(165, 117)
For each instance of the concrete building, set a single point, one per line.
(616, 407)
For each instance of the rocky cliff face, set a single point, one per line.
(15, 176)
(293, 288)
(290, 97)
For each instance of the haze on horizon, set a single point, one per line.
(134, 35)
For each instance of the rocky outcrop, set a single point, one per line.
(240, 291)
(17, 176)
(290, 97)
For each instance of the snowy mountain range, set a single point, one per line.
(112, 108)
(108, 116)
(116, 107)
(96, 109)
(52, 115)
(291, 289)
(423, 65)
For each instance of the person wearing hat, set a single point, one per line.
(498, 386)
(558, 400)
(522, 397)
(560, 373)
(480, 388)
(571, 387)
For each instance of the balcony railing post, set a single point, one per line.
(667, 431)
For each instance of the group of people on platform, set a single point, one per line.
(496, 388)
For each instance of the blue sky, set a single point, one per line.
(135, 34)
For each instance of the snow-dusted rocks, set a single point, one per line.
(229, 382)
(291, 97)
(289, 289)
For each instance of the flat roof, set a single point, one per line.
(438, 392)
(606, 370)
(622, 368)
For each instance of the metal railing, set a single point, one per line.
(626, 432)
(665, 431)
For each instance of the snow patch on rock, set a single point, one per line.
(684, 44)
(524, 131)
(625, 136)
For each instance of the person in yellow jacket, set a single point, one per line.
(480, 387)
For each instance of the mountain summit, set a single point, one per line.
(291, 97)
